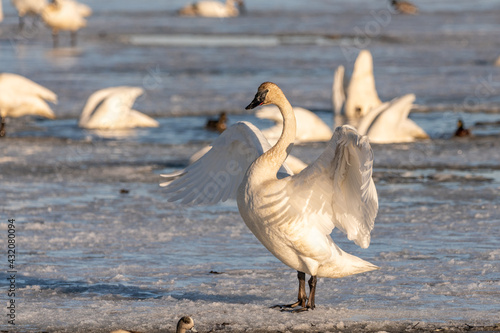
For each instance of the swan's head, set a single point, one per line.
(222, 118)
(267, 93)
(185, 324)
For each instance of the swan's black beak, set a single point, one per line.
(258, 100)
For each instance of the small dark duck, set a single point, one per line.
(218, 125)
(404, 7)
(461, 130)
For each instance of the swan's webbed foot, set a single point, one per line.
(301, 298)
(283, 307)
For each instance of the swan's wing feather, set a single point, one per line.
(24, 86)
(121, 100)
(140, 119)
(110, 108)
(337, 190)
(217, 174)
(368, 120)
(398, 110)
(338, 92)
(93, 102)
(386, 123)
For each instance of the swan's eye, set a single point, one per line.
(357, 110)
(261, 96)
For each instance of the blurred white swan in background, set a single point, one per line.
(28, 7)
(184, 324)
(361, 95)
(111, 109)
(389, 123)
(20, 96)
(310, 128)
(211, 8)
(382, 122)
(65, 15)
(292, 216)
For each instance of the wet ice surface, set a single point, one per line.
(94, 259)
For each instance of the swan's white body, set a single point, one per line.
(389, 122)
(66, 15)
(111, 109)
(292, 216)
(382, 122)
(210, 8)
(29, 7)
(310, 128)
(20, 96)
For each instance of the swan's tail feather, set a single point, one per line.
(141, 120)
(344, 264)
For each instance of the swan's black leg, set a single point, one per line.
(55, 37)
(312, 293)
(21, 23)
(2, 127)
(302, 296)
(73, 38)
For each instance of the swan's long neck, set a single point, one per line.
(276, 156)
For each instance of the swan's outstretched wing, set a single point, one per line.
(337, 190)
(338, 92)
(217, 175)
(390, 123)
(110, 108)
(139, 119)
(361, 93)
(23, 86)
(92, 102)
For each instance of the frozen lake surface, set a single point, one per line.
(100, 248)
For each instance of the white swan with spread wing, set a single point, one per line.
(111, 109)
(382, 122)
(292, 216)
(20, 96)
(389, 122)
